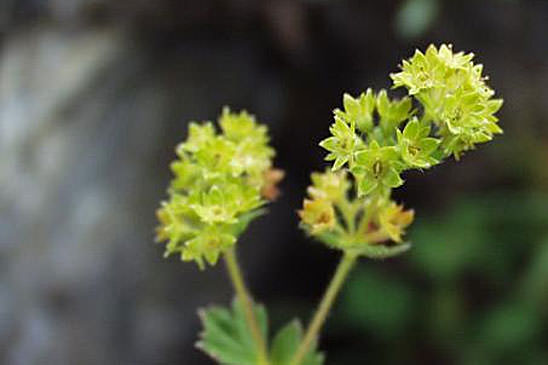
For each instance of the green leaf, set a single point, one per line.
(386, 309)
(286, 342)
(226, 336)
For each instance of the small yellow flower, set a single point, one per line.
(330, 186)
(318, 214)
(393, 220)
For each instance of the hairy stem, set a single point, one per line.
(346, 263)
(242, 293)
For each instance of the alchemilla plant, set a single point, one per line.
(221, 182)
(223, 179)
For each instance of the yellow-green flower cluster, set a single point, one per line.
(449, 108)
(220, 182)
(454, 95)
(363, 226)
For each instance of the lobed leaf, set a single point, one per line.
(286, 342)
(226, 336)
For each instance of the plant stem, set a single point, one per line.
(348, 211)
(346, 263)
(242, 293)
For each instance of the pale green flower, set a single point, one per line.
(392, 112)
(433, 69)
(252, 158)
(209, 243)
(377, 168)
(186, 173)
(329, 186)
(215, 156)
(343, 143)
(198, 134)
(242, 126)
(415, 146)
(215, 206)
(467, 120)
(358, 111)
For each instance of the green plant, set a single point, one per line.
(222, 179)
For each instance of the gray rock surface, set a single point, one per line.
(88, 123)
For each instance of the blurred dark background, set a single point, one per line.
(95, 94)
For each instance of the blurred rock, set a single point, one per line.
(87, 120)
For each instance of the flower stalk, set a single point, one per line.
(245, 299)
(341, 273)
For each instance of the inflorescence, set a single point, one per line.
(221, 182)
(374, 139)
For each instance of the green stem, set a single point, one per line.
(348, 211)
(346, 263)
(242, 293)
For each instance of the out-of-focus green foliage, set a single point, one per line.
(475, 288)
(414, 17)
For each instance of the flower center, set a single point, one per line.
(377, 169)
(414, 150)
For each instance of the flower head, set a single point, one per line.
(454, 95)
(449, 109)
(218, 187)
